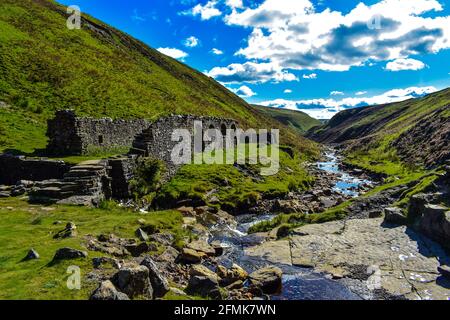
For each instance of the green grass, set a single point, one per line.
(24, 226)
(295, 220)
(46, 67)
(234, 188)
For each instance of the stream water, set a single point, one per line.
(298, 283)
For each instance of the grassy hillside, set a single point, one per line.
(99, 71)
(297, 120)
(395, 137)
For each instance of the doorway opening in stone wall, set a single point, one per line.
(100, 139)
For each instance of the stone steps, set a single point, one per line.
(84, 180)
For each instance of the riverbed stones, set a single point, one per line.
(190, 256)
(202, 271)
(69, 253)
(134, 281)
(232, 275)
(203, 247)
(107, 291)
(268, 279)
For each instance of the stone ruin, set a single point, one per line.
(156, 140)
(72, 135)
(92, 181)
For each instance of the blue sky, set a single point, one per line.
(318, 56)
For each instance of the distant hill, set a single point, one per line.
(297, 120)
(417, 131)
(101, 72)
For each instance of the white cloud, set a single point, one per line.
(327, 108)
(173, 52)
(294, 35)
(217, 51)
(405, 64)
(244, 92)
(191, 42)
(251, 72)
(288, 91)
(360, 93)
(336, 93)
(235, 4)
(310, 76)
(205, 12)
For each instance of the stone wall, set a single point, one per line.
(121, 171)
(15, 168)
(157, 142)
(72, 135)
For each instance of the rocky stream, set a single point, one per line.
(299, 283)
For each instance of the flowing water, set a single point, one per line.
(346, 184)
(298, 283)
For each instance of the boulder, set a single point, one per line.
(137, 249)
(235, 285)
(394, 215)
(190, 256)
(163, 238)
(375, 213)
(416, 205)
(141, 235)
(435, 223)
(69, 253)
(218, 248)
(202, 246)
(134, 281)
(229, 276)
(31, 255)
(268, 280)
(186, 211)
(205, 287)
(170, 255)
(287, 206)
(327, 202)
(202, 271)
(69, 231)
(107, 291)
(159, 282)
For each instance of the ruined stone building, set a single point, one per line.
(156, 141)
(72, 135)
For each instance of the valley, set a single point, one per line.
(358, 208)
